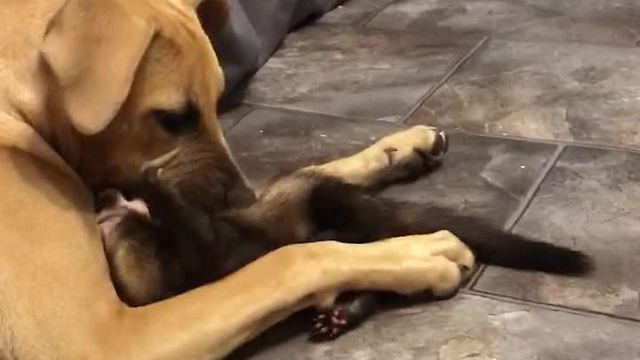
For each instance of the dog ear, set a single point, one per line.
(92, 48)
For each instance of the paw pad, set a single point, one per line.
(329, 325)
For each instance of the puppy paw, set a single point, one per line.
(330, 324)
(411, 152)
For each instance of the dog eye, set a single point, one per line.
(177, 122)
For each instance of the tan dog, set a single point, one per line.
(98, 93)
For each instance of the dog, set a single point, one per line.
(100, 94)
(155, 256)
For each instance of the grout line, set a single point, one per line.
(284, 108)
(521, 209)
(369, 18)
(475, 277)
(458, 64)
(533, 190)
(566, 143)
(235, 123)
(554, 307)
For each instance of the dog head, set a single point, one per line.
(138, 81)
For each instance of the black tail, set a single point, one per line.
(494, 246)
(361, 217)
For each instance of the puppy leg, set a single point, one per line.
(344, 315)
(394, 157)
(131, 246)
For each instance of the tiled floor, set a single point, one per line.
(543, 100)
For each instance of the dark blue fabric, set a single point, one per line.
(254, 31)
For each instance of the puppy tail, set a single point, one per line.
(514, 251)
(360, 217)
(494, 246)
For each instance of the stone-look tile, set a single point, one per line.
(573, 92)
(337, 70)
(589, 201)
(470, 327)
(229, 118)
(481, 176)
(354, 12)
(591, 21)
(268, 142)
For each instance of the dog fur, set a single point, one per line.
(105, 93)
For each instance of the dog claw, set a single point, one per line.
(440, 145)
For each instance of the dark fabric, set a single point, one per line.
(254, 31)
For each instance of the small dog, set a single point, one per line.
(159, 255)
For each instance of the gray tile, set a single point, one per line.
(592, 21)
(354, 11)
(481, 176)
(231, 117)
(269, 142)
(341, 71)
(589, 201)
(573, 92)
(470, 327)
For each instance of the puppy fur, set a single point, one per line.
(154, 259)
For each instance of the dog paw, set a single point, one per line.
(330, 324)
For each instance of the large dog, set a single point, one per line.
(107, 93)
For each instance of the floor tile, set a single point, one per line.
(573, 92)
(268, 143)
(470, 327)
(341, 71)
(589, 201)
(483, 177)
(590, 21)
(230, 117)
(354, 12)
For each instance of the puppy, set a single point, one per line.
(158, 255)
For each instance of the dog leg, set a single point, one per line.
(215, 319)
(60, 302)
(313, 274)
(394, 157)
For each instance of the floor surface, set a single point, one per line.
(543, 100)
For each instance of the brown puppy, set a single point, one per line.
(156, 256)
(98, 93)
(152, 257)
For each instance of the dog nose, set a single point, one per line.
(441, 144)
